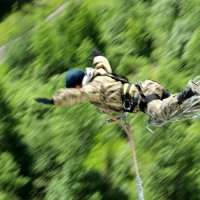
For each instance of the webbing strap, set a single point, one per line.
(116, 77)
(125, 88)
(129, 103)
(151, 97)
(145, 99)
(132, 86)
(128, 88)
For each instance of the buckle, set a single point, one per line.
(127, 105)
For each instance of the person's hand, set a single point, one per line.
(96, 53)
(44, 100)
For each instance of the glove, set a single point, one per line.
(96, 53)
(45, 101)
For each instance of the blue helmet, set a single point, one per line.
(74, 77)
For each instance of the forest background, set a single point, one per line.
(66, 153)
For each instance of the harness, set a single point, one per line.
(130, 102)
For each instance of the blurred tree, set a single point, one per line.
(174, 175)
(20, 55)
(49, 146)
(75, 183)
(66, 43)
(7, 6)
(191, 56)
(11, 142)
(11, 182)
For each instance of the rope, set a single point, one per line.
(140, 189)
(127, 128)
(124, 122)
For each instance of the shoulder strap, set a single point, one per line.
(117, 77)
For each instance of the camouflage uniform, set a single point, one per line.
(106, 93)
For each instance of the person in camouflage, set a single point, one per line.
(113, 94)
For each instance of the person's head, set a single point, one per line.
(74, 78)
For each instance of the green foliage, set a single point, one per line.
(22, 18)
(190, 55)
(20, 54)
(74, 182)
(179, 180)
(65, 152)
(7, 196)
(10, 179)
(7, 6)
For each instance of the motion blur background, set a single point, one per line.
(65, 153)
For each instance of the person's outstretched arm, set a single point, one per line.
(65, 96)
(100, 62)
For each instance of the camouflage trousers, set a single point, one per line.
(163, 109)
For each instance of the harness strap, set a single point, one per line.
(165, 94)
(143, 102)
(125, 88)
(115, 76)
(151, 97)
(146, 99)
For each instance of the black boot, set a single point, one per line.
(185, 94)
(191, 90)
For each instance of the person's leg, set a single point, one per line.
(163, 109)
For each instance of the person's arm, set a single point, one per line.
(69, 96)
(65, 97)
(100, 62)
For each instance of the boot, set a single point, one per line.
(191, 89)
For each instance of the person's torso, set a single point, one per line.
(105, 93)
